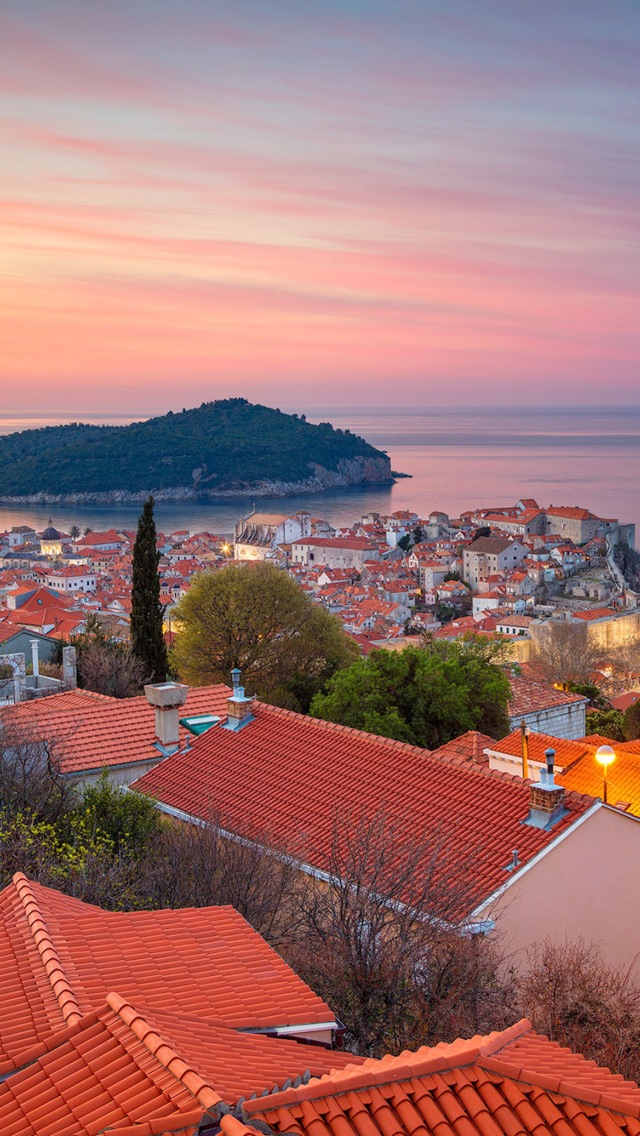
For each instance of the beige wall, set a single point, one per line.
(619, 631)
(586, 886)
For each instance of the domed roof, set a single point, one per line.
(50, 533)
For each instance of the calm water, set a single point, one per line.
(457, 458)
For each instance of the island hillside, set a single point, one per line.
(228, 448)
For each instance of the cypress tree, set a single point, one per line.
(147, 639)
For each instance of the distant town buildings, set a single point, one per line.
(502, 570)
(258, 534)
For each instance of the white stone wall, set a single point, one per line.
(567, 721)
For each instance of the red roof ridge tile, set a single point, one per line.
(186, 1124)
(389, 1069)
(67, 1001)
(163, 1052)
(307, 719)
(231, 1126)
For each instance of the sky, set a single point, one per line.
(313, 202)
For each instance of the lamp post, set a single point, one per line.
(605, 755)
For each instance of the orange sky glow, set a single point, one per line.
(318, 203)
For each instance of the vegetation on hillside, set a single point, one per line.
(257, 618)
(227, 444)
(424, 696)
(628, 561)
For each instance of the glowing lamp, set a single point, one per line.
(605, 755)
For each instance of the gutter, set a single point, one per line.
(500, 891)
(475, 927)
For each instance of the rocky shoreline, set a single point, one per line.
(350, 472)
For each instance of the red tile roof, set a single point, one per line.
(573, 514)
(288, 774)
(122, 1067)
(93, 732)
(577, 769)
(567, 753)
(594, 613)
(512, 1083)
(623, 777)
(78, 1058)
(61, 957)
(530, 697)
(620, 702)
(468, 747)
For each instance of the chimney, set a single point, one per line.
(69, 671)
(167, 698)
(238, 705)
(546, 799)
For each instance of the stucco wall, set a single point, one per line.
(586, 886)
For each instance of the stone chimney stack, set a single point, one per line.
(69, 668)
(239, 706)
(546, 799)
(167, 698)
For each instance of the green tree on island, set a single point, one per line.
(255, 617)
(424, 696)
(147, 638)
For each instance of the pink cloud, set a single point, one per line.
(317, 195)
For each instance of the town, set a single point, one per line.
(160, 846)
(503, 572)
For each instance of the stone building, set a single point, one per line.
(489, 555)
(259, 534)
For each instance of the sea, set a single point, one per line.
(457, 458)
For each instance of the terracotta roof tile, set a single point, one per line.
(122, 1064)
(529, 697)
(499, 1085)
(468, 747)
(267, 776)
(94, 731)
(61, 957)
(567, 753)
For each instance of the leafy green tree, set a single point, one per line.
(424, 696)
(608, 723)
(147, 637)
(255, 617)
(631, 722)
(446, 612)
(128, 819)
(597, 700)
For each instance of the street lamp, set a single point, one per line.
(605, 755)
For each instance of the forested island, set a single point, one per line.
(226, 448)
